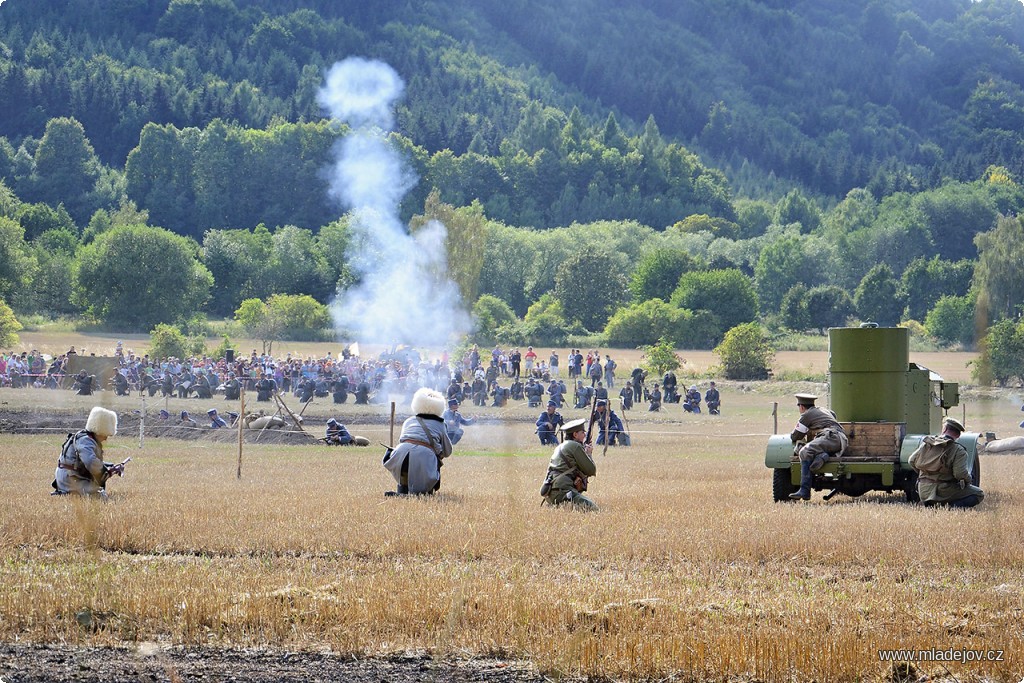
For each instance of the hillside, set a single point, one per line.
(808, 163)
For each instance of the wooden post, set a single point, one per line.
(142, 422)
(392, 441)
(775, 417)
(241, 425)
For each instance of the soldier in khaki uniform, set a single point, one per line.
(822, 435)
(942, 474)
(570, 467)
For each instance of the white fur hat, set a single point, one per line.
(428, 402)
(102, 422)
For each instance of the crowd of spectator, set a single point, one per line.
(496, 377)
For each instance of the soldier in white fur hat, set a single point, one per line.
(80, 468)
(416, 462)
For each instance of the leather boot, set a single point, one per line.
(804, 492)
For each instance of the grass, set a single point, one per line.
(689, 570)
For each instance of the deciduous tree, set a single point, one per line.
(135, 277)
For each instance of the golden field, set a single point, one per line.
(689, 571)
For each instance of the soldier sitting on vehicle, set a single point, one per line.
(822, 436)
(942, 474)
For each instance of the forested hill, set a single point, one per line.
(651, 168)
(826, 95)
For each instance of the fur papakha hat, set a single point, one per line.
(428, 402)
(101, 422)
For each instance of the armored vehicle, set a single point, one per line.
(886, 405)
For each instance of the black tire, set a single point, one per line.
(782, 485)
(910, 488)
(976, 470)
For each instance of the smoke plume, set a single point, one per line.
(404, 294)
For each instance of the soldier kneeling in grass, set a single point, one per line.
(942, 474)
(570, 467)
(80, 468)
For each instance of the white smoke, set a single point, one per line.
(405, 295)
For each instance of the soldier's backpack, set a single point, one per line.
(932, 457)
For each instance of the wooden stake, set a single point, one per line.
(392, 441)
(241, 425)
(775, 417)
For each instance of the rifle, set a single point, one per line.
(593, 411)
(607, 436)
(118, 469)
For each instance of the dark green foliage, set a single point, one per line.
(489, 314)
(647, 322)
(796, 208)
(17, 264)
(998, 277)
(166, 341)
(1002, 354)
(135, 277)
(39, 218)
(589, 287)
(728, 294)
(795, 315)
(782, 264)
(828, 306)
(658, 272)
(926, 280)
(952, 320)
(877, 298)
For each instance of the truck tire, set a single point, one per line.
(910, 488)
(782, 485)
(976, 470)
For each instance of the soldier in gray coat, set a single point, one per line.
(416, 462)
(80, 468)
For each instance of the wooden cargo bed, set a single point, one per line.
(873, 441)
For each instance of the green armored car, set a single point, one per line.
(886, 405)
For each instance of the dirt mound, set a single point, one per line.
(152, 662)
(45, 422)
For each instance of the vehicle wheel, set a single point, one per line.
(976, 470)
(782, 485)
(910, 488)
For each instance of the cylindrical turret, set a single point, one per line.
(868, 370)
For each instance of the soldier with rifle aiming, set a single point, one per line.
(570, 468)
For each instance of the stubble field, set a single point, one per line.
(689, 571)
